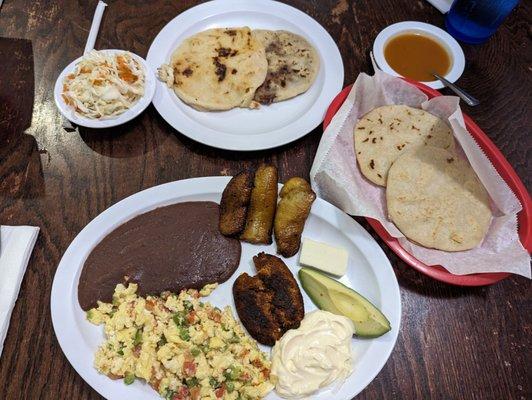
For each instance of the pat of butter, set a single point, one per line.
(324, 257)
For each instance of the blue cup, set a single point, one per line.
(474, 21)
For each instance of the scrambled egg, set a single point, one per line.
(185, 349)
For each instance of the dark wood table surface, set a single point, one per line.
(455, 343)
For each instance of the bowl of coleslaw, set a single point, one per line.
(104, 88)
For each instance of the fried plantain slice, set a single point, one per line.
(234, 203)
(292, 212)
(269, 303)
(261, 211)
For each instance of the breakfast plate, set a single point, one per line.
(244, 129)
(128, 115)
(503, 168)
(369, 272)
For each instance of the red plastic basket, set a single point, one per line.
(503, 168)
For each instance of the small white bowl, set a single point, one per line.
(128, 115)
(452, 46)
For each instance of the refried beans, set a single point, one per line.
(167, 249)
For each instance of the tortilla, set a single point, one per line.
(217, 69)
(436, 200)
(293, 65)
(386, 132)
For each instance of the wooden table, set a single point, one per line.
(455, 343)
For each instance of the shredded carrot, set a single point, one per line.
(124, 72)
(67, 100)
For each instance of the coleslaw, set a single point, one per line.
(104, 85)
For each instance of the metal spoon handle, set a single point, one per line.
(470, 100)
(373, 61)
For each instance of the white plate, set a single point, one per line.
(244, 129)
(126, 116)
(452, 46)
(369, 272)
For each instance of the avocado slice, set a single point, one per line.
(333, 296)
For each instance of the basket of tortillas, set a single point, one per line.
(393, 155)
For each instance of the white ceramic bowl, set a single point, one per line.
(126, 116)
(452, 46)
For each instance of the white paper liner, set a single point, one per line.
(335, 177)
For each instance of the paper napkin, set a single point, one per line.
(15, 250)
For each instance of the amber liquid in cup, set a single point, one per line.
(417, 56)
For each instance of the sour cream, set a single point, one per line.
(312, 356)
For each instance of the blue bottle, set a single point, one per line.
(474, 21)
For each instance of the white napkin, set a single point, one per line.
(16, 246)
(442, 5)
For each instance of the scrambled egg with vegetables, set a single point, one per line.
(185, 349)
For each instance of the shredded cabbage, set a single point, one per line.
(104, 85)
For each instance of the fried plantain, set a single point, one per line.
(234, 203)
(261, 211)
(269, 303)
(292, 212)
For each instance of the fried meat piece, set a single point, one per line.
(261, 211)
(234, 203)
(269, 303)
(292, 212)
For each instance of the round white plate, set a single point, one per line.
(452, 46)
(369, 273)
(245, 129)
(126, 116)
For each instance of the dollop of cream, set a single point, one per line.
(312, 356)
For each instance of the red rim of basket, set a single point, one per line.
(503, 168)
